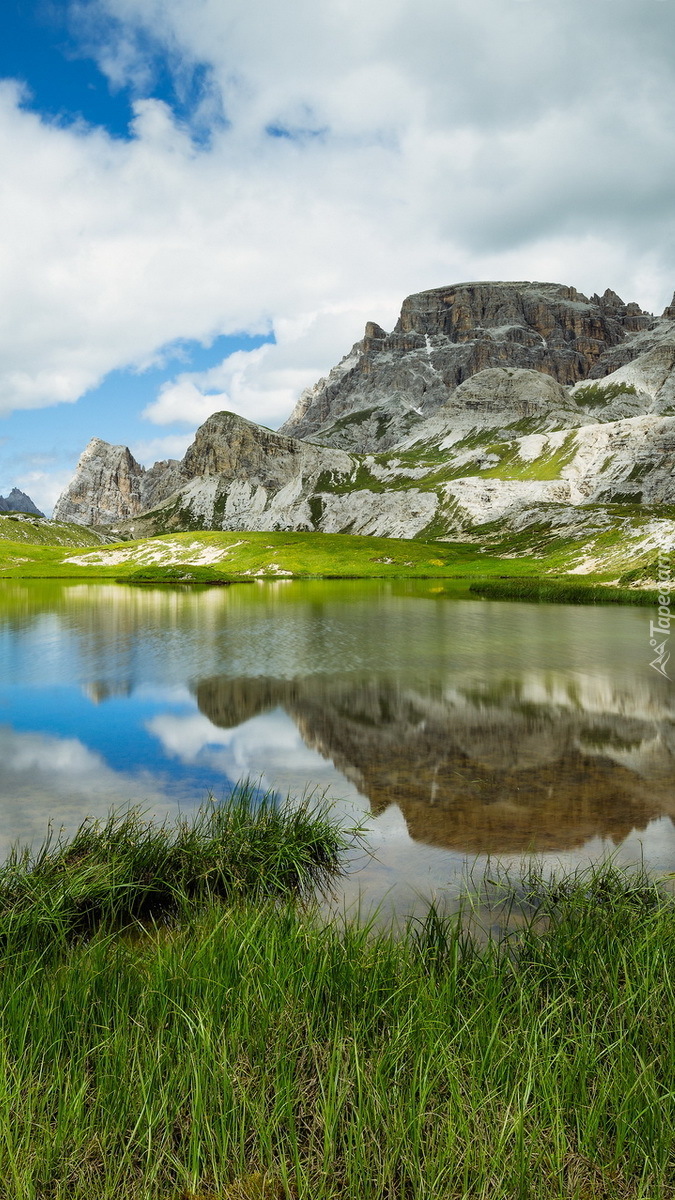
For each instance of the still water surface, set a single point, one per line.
(465, 730)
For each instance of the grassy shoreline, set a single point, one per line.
(246, 1051)
(130, 869)
(562, 591)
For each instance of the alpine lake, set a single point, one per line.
(465, 736)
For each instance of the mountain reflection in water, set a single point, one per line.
(467, 728)
(500, 770)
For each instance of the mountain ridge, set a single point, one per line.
(413, 435)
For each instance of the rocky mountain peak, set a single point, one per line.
(669, 312)
(110, 485)
(448, 334)
(18, 501)
(459, 423)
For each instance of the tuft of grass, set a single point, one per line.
(129, 868)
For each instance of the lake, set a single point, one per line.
(463, 731)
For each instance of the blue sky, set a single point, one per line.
(40, 48)
(44, 46)
(204, 200)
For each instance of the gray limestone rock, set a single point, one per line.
(445, 336)
(234, 473)
(462, 423)
(109, 486)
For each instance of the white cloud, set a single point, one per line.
(153, 450)
(43, 486)
(428, 143)
(263, 383)
(268, 748)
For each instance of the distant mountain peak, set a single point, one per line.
(18, 501)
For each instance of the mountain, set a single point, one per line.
(388, 381)
(109, 485)
(18, 501)
(233, 469)
(514, 414)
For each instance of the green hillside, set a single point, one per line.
(615, 547)
(28, 530)
(223, 556)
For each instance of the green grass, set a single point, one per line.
(250, 1052)
(562, 591)
(545, 466)
(30, 530)
(243, 556)
(130, 868)
(611, 537)
(594, 395)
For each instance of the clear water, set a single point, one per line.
(462, 731)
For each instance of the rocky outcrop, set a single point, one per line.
(445, 336)
(18, 501)
(109, 485)
(234, 475)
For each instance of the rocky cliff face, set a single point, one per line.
(18, 501)
(234, 473)
(109, 485)
(447, 335)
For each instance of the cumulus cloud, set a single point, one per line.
(264, 382)
(353, 152)
(152, 450)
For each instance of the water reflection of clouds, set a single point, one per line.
(268, 748)
(45, 778)
(402, 875)
(41, 775)
(399, 872)
(472, 728)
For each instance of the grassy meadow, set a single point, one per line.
(228, 1045)
(214, 557)
(49, 550)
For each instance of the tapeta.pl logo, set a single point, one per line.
(659, 630)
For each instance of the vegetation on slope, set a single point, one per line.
(597, 395)
(24, 529)
(250, 1052)
(618, 542)
(229, 556)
